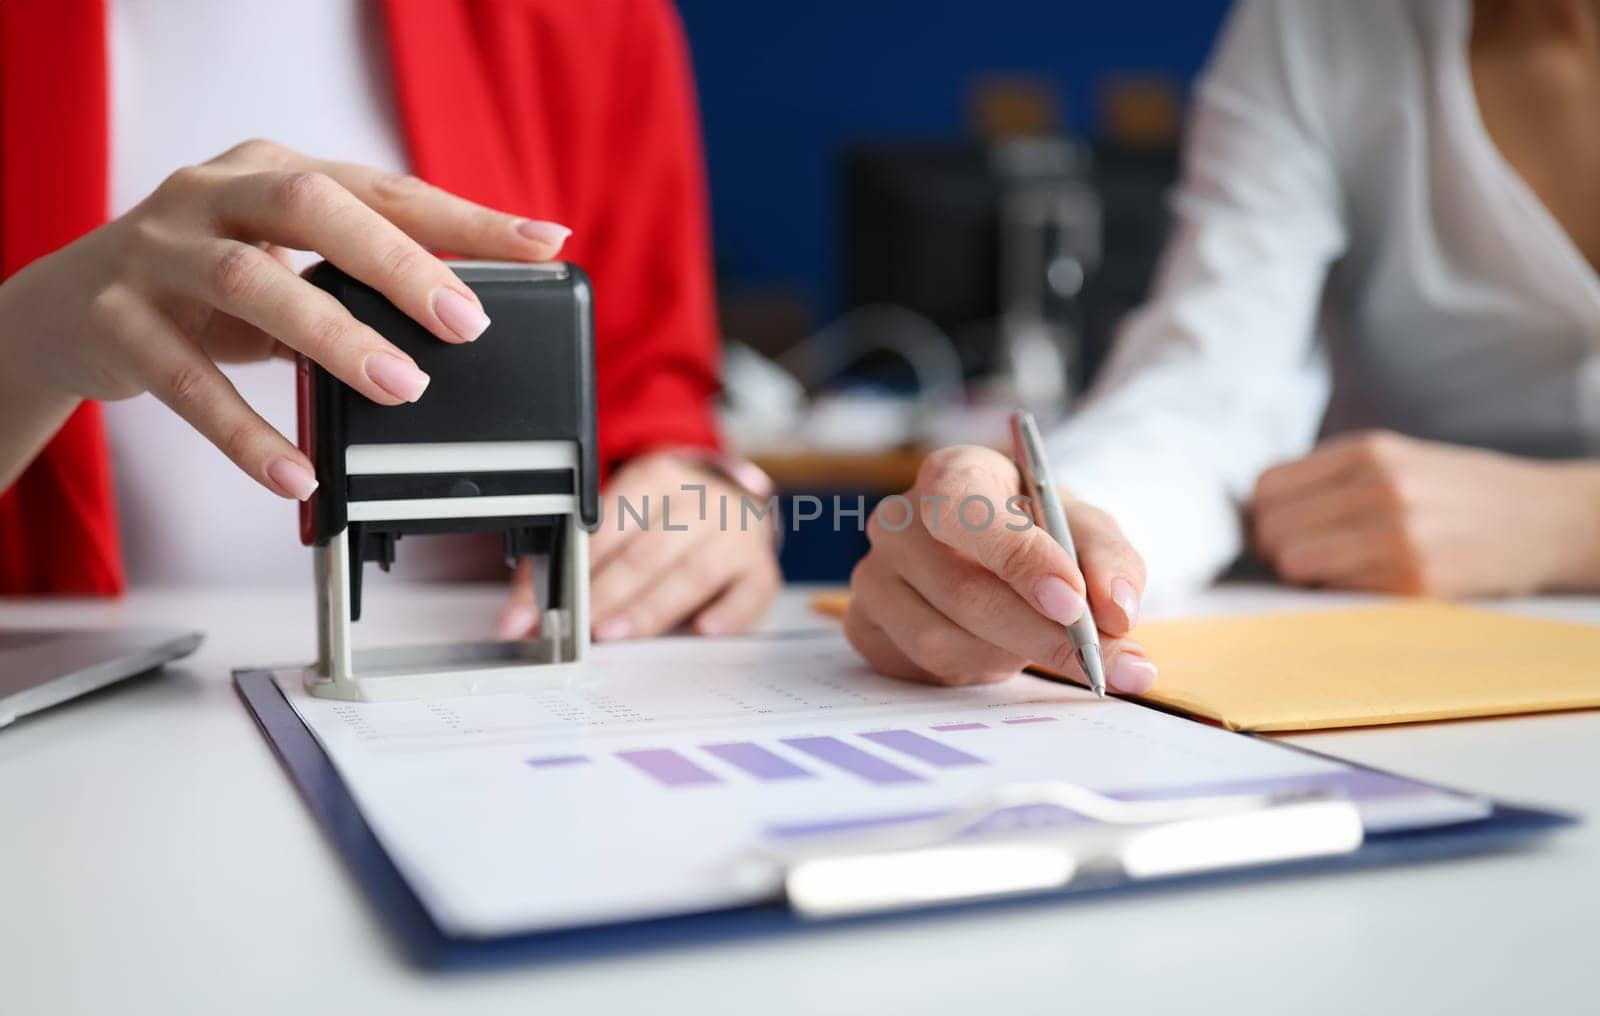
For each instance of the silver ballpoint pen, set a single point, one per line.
(1045, 498)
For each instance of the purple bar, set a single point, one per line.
(757, 761)
(551, 761)
(950, 727)
(844, 825)
(909, 742)
(1021, 816)
(1031, 719)
(668, 767)
(852, 759)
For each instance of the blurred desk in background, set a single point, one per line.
(875, 473)
(819, 550)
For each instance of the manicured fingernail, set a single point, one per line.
(1060, 602)
(614, 630)
(1133, 675)
(459, 314)
(1124, 596)
(517, 621)
(400, 378)
(292, 478)
(551, 234)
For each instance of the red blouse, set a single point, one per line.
(583, 113)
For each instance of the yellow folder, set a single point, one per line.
(1393, 663)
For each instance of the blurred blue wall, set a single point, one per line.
(785, 83)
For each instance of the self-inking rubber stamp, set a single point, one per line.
(502, 441)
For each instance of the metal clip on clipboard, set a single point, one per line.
(951, 859)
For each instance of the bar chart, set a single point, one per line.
(872, 757)
(649, 785)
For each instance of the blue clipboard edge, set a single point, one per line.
(426, 946)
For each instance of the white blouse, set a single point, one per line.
(1350, 250)
(190, 79)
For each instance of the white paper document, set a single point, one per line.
(643, 787)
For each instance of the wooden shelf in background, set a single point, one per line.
(888, 471)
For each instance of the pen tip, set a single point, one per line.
(1094, 669)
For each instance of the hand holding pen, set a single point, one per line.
(1050, 514)
(949, 596)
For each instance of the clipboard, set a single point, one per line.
(424, 944)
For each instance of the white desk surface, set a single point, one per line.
(154, 858)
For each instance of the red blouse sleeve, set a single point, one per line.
(648, 251)
(582, 112)
(58, 521)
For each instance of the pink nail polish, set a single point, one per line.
(292, 478)
(459, 314)
(400, 378)
(614, 630)
(1124, 596)
(551, 234)
(1132, 675)
(1059, 601)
